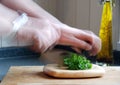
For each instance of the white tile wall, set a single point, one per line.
(83, 14)
(116, 25)
(74, 12)
(95, 15)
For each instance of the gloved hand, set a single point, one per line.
(80, 39)
(45, 34)
(41, 32)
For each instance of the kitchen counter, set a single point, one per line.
(23, 56)
(17, 56)
(33, 75)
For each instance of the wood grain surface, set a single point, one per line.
(58, 71)
(33, 75)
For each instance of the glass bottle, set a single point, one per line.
(105, 33)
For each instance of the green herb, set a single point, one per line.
(77, 62)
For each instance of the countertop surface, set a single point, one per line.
(33, 75)
(23, 56)
(17, 56)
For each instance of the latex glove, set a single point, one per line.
(43, 34)
(96, 44)
(80, 39)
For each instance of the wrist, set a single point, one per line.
(19, 22)
(7, 24)
(26, 32)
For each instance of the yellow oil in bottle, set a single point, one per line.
(105, 33)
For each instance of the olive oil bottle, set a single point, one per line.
(105, 33)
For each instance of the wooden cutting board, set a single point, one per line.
(33, 75)
(55, 70)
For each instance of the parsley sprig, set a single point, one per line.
(77, 62)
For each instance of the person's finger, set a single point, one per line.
(96, 47)
(76, 49)
(96, 43)
(72, 41)
(36, 46)
(85, 36)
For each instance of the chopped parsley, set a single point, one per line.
(77, 62)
